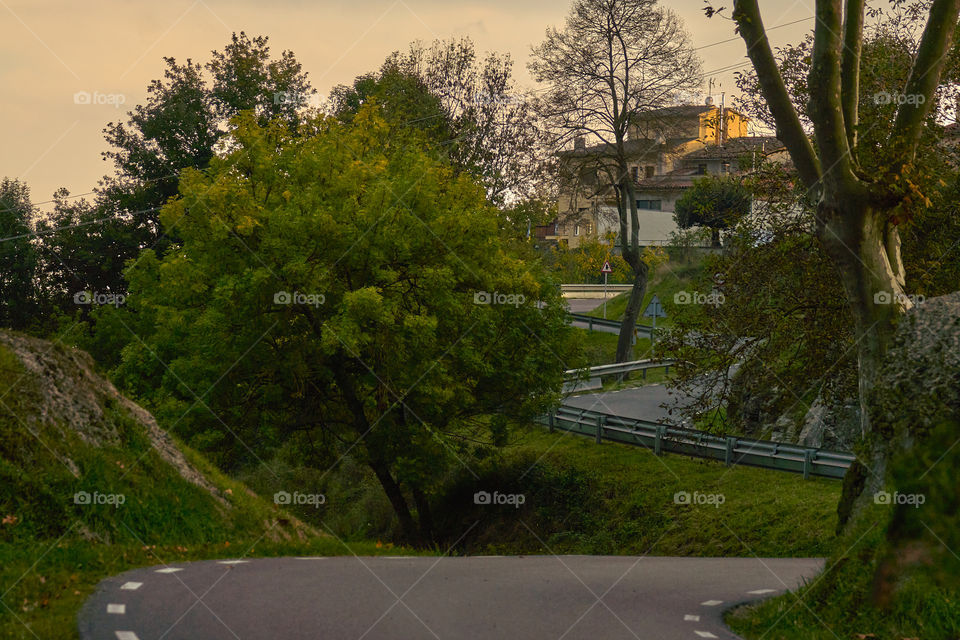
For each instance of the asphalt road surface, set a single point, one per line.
(637, 402)
(448, 598)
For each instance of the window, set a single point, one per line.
(701, 169)
(576, 229)
(634, 172)
(648, 170)
(653, 205)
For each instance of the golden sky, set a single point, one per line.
(111, 49)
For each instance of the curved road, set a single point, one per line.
(448, 598)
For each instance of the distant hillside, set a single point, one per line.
(79, 460)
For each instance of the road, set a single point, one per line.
(635, 402)
(448, 598)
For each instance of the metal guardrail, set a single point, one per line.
(664, 438)
(594, 288)
(642, 331)
(595, 381)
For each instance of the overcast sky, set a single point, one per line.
(50, 50)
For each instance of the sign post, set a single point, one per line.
(654, 310)
(607, 269)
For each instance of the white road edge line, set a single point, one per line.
(232, 561)
(691, 618)
(760, 592)
(126, 635)
(711, 603)
(311, 558)
(169, 570)
(131, 586)
(117, 608)
(705, 634)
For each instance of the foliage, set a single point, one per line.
(18, 258)
(361, 294)
(468, 107)
(181, 125)
(717, 202)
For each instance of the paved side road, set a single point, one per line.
(449, 598)
(633, 402)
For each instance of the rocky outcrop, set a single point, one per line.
(76, 401)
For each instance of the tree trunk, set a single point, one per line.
(423, 515)
(865, 248)
(408, 526)
(634, 304)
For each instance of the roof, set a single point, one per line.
(735, 147)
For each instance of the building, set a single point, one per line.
(667, 150)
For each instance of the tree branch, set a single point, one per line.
(746, 13)
(924, 76)
(825, 107)
(850, 70)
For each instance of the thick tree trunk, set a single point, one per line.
(397, 500)
(634, 304)
(865, 248)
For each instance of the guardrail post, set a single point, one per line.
(807, 463)
(667, 372)
(728, 456)
(644, 371)
(553, 413)
(657, 440)
(600, 421)
(590, 324)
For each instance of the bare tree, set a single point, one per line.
(857, 211)
(614, 60)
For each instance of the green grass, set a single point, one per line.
(836, 604)
(614, 499)
(54, 551)
(665, 283)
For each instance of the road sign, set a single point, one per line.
(654, 309)
(606, 267)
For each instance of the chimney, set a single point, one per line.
(580, 143)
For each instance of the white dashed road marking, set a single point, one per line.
(705, 634)
(127, 635)
(760, 592)
(711, 603)
(691, 618)
(169, 570)
(232, 561)
(312, 558)
(117, 608)
(131, 586)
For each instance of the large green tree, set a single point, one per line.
(341, 293)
